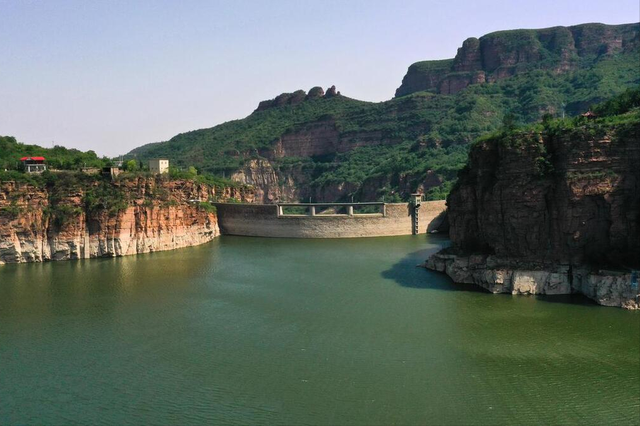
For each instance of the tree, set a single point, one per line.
(509, 121)
(131, 166)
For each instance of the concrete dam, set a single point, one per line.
(331, 220)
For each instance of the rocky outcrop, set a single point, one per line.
(331, 92)
(505, 53)
(317, 138)
(278, 183)
(321, 138)
(549, 213)
(606, 287)
(315, 93)
(37, 226)
(270, 185)
(297, 97)
(425, 75)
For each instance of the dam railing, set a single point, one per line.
(331, 209)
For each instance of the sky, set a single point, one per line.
(113, 75)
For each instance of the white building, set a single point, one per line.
(159, 165)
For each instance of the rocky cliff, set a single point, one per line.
(550, 210)
(273, 182)
(106, 219)
(503, 54)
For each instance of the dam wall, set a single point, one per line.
(270, 220)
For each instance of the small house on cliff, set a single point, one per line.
(159, 165)
(34, 164)
(111, 172)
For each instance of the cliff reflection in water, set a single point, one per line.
(75, 285)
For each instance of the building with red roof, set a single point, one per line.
(34, 164)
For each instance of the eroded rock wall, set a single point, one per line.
(571, 198)
(33, 230)
(550, 213)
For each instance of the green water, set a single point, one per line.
(269, 331)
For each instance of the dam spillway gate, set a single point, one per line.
(330, 209)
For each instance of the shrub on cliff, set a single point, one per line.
(207, 207)
(620, 104)
(105, 197)
(61, 214)
(619, 116)
(12, 211)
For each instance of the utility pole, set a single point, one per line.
(563, 105)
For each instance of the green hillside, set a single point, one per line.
(405, 138)
(72, 161)
(57, 157)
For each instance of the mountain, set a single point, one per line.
(329, 147)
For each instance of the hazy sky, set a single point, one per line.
(113, 75)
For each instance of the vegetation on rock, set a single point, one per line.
(558, 190)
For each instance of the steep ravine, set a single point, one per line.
(157, 216)
(553, 212)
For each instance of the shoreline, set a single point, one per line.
(605, 287)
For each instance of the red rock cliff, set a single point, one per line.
(37, 225)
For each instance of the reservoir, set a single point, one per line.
(290, 331)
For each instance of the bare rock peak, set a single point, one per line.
(298, 97)
(331, 92)
(315, 92)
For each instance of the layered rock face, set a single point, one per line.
(505, 53)
(32, 229)
(270, 185)
(550, 214)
